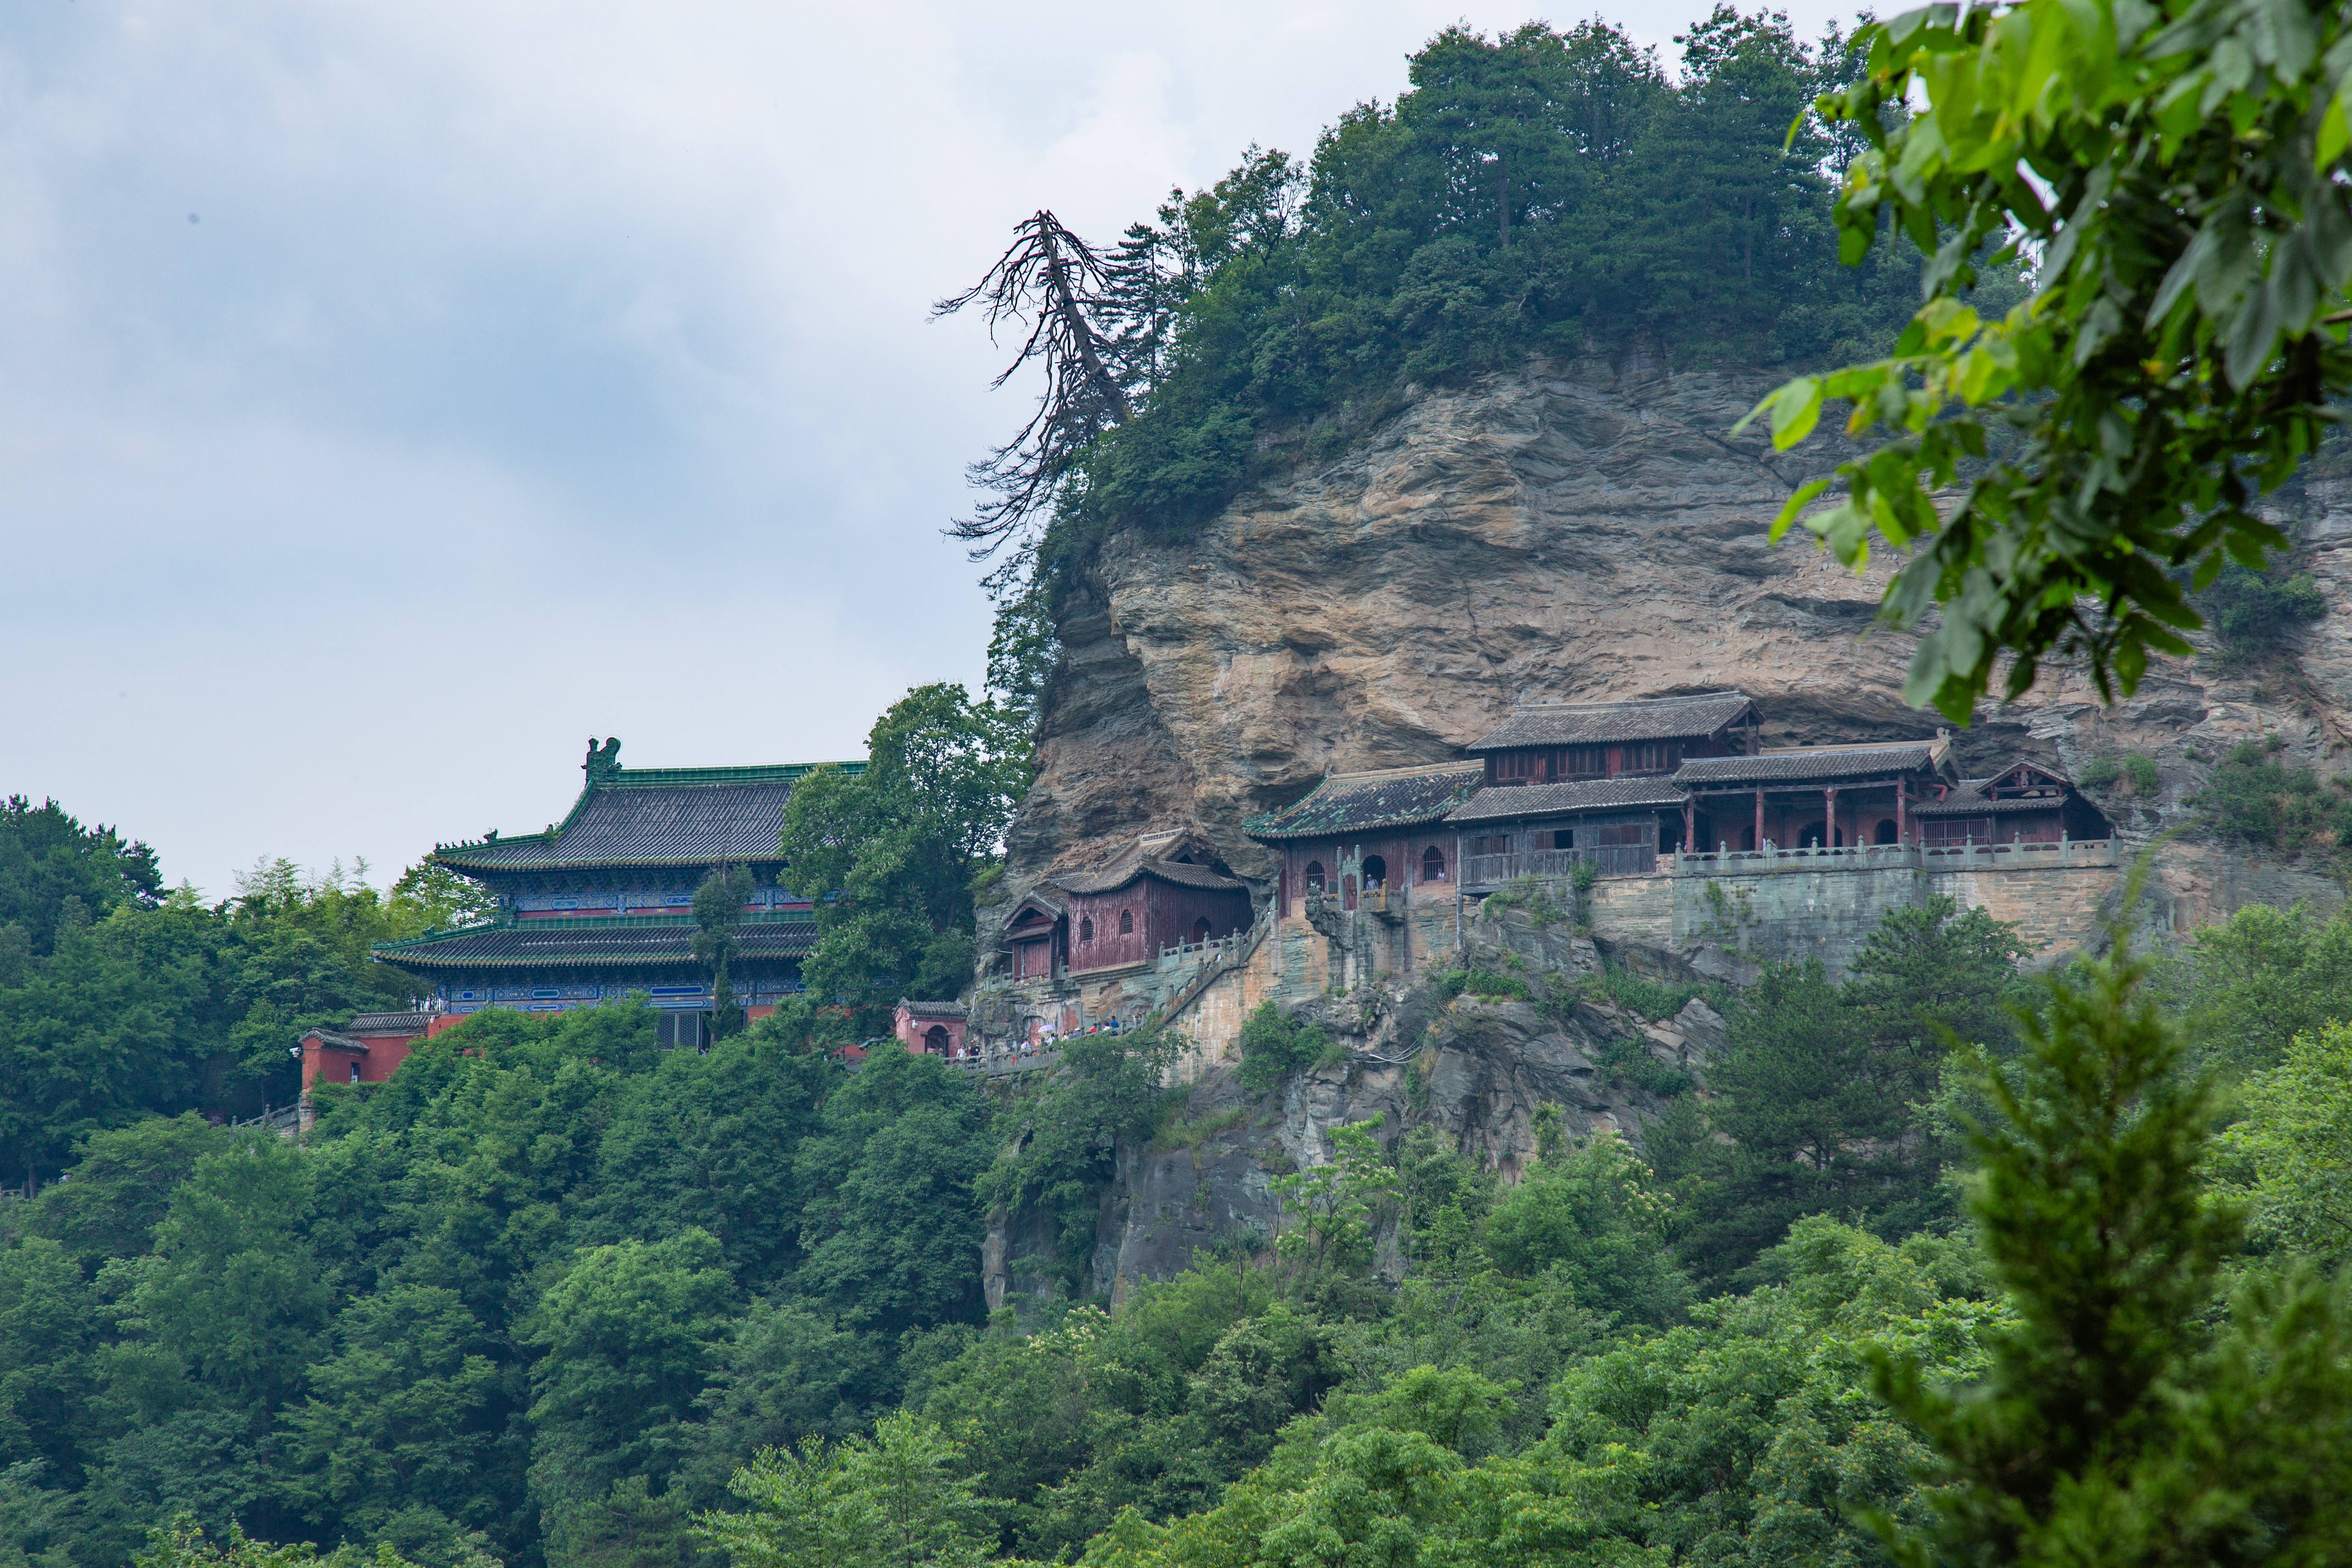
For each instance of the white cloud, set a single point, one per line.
(532, 368)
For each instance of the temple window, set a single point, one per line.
(1315, 876)
(1886, 834)
(1563, 838)
(1127, 922)
(1376, 871)
(1432, 865)
(1087, 928)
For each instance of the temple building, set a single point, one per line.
(2022, 804)
(600, 905)
(368, 1049)
(1620, 786)
(1381, 832)
(1164, 891)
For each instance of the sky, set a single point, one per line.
(395, 394)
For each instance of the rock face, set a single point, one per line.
(1483, 1069)
(1574, 532)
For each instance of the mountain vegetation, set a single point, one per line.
(1546, 190)
(556, 1296)
(1949, 1265)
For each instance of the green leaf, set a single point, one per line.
(1797, 410)
(1796, 503)
(2335, 128)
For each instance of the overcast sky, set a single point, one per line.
(393, 394)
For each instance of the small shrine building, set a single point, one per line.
(1164, 891)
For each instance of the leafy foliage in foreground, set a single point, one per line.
(895, 855)
(2176, 168)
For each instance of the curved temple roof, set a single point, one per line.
(1552, 799)
(599, 942)
(651, 817)
(1357, 803)
(1809, 764)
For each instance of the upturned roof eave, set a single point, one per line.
(457, 860)
(1268, 828)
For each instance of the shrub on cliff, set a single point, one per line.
(1275, 1046)
(2254, 798)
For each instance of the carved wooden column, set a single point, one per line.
(1902, 793)
(1828, 819)
(1759, 820)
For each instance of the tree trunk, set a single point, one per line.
(1080, 333)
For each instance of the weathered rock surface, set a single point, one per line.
(1575, 531)
(1572, 533)
(1482, 1071)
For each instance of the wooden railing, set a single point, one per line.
(1484, 872)
(1609, 861)
(1926, 857)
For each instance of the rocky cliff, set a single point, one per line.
(1575, 533)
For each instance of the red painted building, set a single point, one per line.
(1129, 912)
(1390, 823)
(931, 1028)
(368, 1049)
(2024, 803)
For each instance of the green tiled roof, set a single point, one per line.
(596, 941)
(1357, 803)
(653, 817)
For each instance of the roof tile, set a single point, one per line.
(1801, 764)
(1357, 803)
(1554, 799)
(597, 942)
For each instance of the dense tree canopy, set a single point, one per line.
(1542, 191)
(897, 853)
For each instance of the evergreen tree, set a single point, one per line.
(2117, 1422)
(718, 917)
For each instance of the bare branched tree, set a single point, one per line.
(1067, 295)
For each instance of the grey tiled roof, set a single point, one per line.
(1801, 764)
(934, 1009)
(615, 941)
(1357, 803)
(1043, 898)
(1118, 875)
(678, 825)
(388, 1023)
(1554, 799)
(1968, 799)
(1595, 723)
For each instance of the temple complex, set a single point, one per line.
(1665, 822)
(600, 905)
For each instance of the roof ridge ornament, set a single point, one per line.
(602, 761)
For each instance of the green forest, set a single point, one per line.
(1946, 1260)
(556, 1296)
